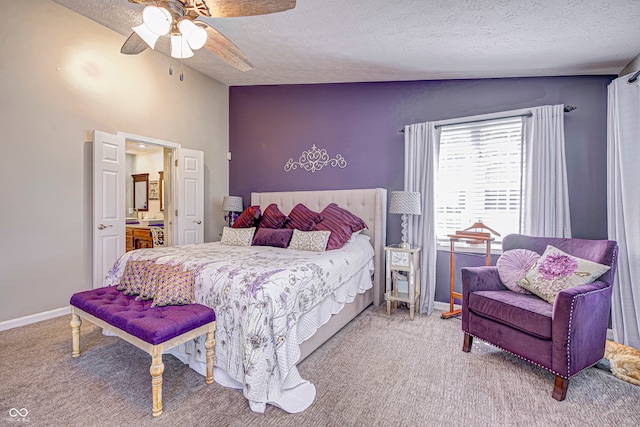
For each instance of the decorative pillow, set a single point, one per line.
(341, 223)
(248, 218)
(148, 290)
(272, 217)
(557, 270)
(513, 266)
(174, 287)
(302, 218)
(278, 238)
(134, 276)
(335, 211)
(237, 236)
(309, 240)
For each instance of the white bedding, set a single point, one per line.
(261, 295)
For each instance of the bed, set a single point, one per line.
(275, 306)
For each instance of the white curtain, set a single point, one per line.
(546, 201)
(623, 206)
(421, 151)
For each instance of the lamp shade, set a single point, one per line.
(179, 47)
(405, 202)
(147, 35)
(232, 204)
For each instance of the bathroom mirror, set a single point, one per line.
(141, 192)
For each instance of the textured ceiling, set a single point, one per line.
(326, 41)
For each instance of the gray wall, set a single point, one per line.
(360, 121)
(62, 76)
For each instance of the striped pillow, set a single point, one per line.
(272, 217)
(302, 218)
(247, 218)
(354, 221)
(341, 223)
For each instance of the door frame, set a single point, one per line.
(173, 179)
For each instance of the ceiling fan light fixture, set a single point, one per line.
(179, 47)
(196, 36)
(157, 19)
(145, 34)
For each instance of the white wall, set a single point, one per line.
(61, 76)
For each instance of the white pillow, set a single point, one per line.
(237, 236)
(309, 240)
(557, 270)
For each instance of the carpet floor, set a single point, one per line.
(378, 370)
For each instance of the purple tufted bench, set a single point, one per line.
(153, 330)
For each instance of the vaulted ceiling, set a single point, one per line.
(326, 41)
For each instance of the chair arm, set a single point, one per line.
(579, 327)
(477, 279)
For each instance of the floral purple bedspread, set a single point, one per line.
(258, 294)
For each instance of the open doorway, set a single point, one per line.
(147, 195)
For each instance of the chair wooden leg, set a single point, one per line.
(468, 341)
(560, 388)
(75, 334)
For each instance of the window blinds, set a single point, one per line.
(480, 176)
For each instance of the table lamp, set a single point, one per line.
(232, 205)
(405, 203)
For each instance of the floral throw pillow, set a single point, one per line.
(309, 240)
(557, 270)
(174, 287)
(513, 265)
(134, 276)
(237, 236)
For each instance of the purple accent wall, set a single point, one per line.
(270, 124)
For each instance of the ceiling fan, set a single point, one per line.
(179, 19)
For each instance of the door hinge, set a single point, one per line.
(176, 212)
(176, 162)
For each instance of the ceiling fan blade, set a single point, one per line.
(133, 45)
(236, 8)
(223, 47)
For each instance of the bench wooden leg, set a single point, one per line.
(75, 334)
(156, 370)
(209, 344)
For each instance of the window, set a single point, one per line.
(480, 177)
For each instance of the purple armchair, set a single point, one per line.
(563, 338)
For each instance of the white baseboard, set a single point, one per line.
(444, 306)
(33, 318)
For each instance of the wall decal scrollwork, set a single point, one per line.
(315, 159)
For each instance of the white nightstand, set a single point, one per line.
(403, 276)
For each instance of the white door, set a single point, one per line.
(190, 194)
(108, 203)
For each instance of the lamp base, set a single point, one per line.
(404, 245)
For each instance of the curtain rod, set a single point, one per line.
(567, 109)
(634, 78)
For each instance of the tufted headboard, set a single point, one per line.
(369, 204)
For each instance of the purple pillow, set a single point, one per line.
(302, 218)
(513, 265)
(272, 217)
(247, 218)
(276, 237)
(333, 210)
(339, 224)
